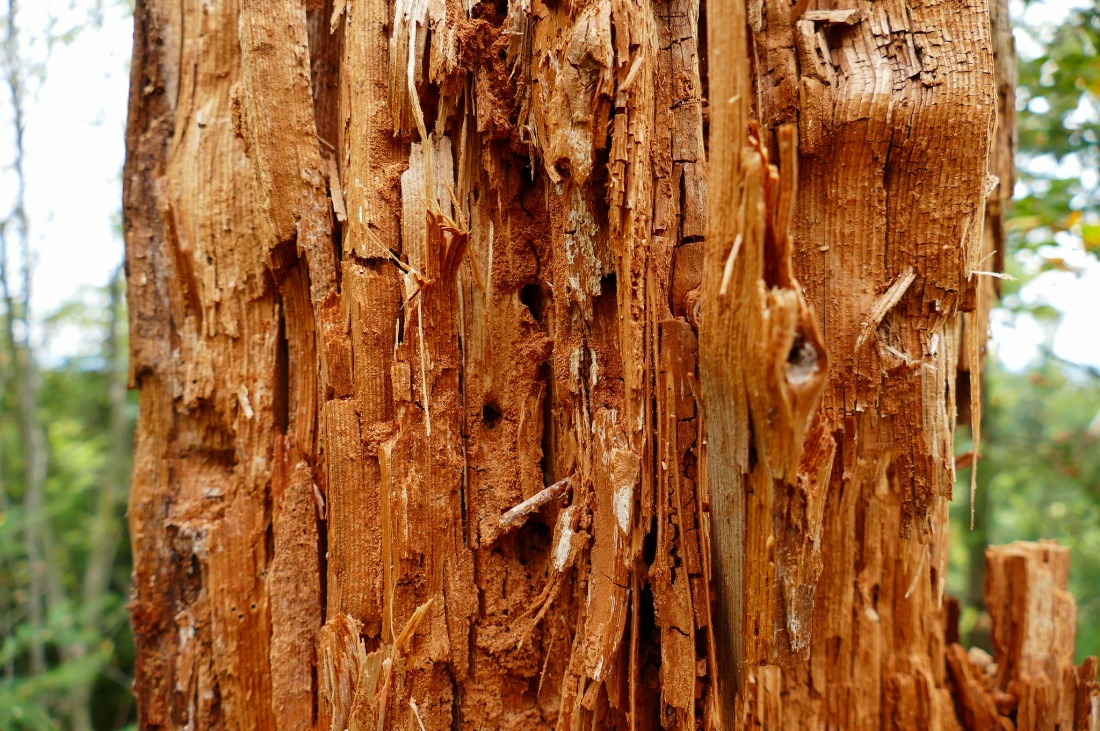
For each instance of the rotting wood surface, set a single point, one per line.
(416, 290)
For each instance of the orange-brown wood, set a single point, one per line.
(458, 410)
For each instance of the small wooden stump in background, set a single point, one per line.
(1031, 676)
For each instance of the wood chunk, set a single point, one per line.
(354, 555)
(1034, 621)
(295, 590)
(973, 703)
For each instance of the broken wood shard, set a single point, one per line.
(515, 517)
(886, 303)
(1034, 620)
(850, 16)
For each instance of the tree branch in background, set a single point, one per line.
(23, 380)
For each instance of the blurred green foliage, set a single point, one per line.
(1039, 477)
(1058, 101)
(66, 430)
(76, 408)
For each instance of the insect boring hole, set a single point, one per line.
(491, 415)
(532, 296)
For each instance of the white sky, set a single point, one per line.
(75, 150)
(74, 144)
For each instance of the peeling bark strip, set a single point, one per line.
(430, 436)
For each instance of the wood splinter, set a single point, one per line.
(885, 303)
(833, 17)
(518, 515)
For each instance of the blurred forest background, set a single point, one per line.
(66, 418)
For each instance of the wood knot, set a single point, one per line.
(803, 361)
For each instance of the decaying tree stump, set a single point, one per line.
(458, 410)
(1031, 676)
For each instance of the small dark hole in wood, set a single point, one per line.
(490, 415)
(546, 375)
(609, 285)
(649, 544)
(532, 296)
(796, 353)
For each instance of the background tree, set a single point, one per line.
(64, 464)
